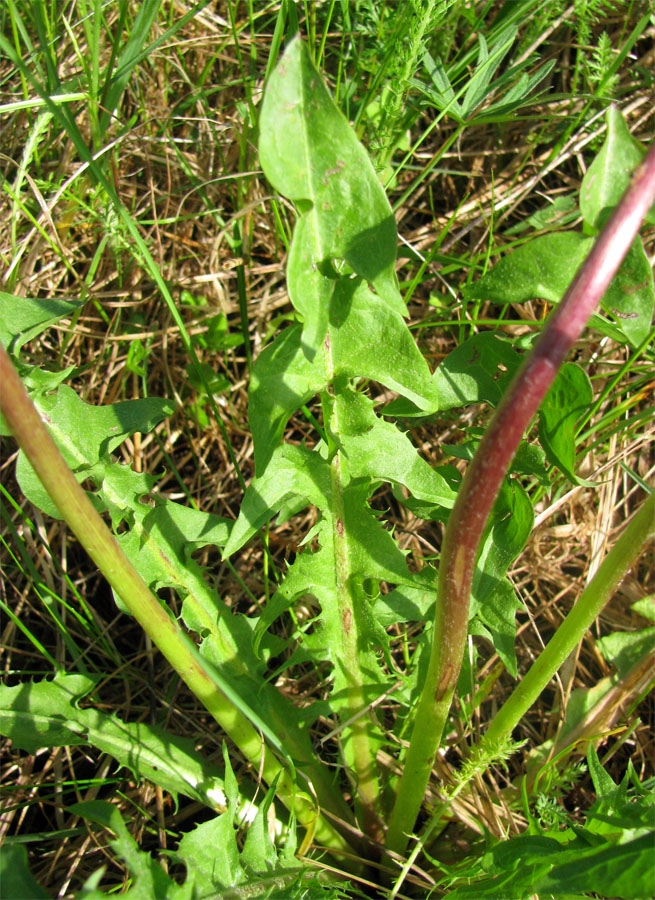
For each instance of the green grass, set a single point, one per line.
(129, 135)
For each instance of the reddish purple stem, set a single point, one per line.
(520, 403)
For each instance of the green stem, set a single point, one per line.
(430, 720)
(360, 753)
(92, 533)
(359, 750)
(496, 742)
(595, 596)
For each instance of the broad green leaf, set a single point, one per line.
(645, 607)
(539, 865)
(209, 867)
(503, 884)
(15, 877)
(217, 869)
(624, 649)
(530, 459)
(496, 618)
(38, 381)
(311, 155)
(544, 268)
(339, 614)
(609, 174)
(406, 603)
(616, 812)
(480, 369)
(630, 298)
(23, 318)
(425, 509)
(46, 714)
(623, 871)
(523, 848)
(566, 402)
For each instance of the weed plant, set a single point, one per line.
(266, 293)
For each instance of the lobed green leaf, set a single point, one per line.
(380, 451)
(47, 714)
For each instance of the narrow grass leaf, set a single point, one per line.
(115, 86)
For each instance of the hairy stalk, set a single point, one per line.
(483, 480)
(593, 599)
(92, 533)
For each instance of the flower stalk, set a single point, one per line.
(482, 483)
